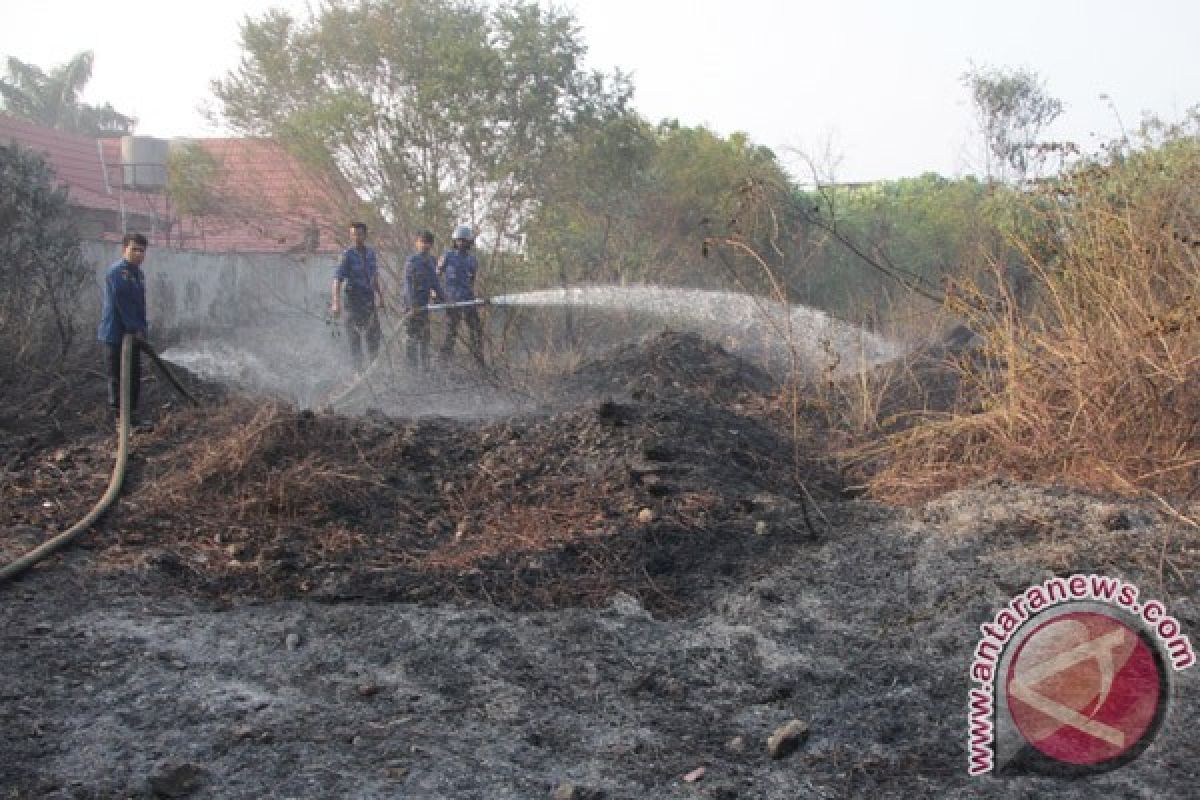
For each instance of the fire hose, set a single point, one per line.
(56, 543)
(460, 304)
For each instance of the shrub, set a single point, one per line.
(41, 266)
(1093, 378)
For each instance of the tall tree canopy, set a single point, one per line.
(439, 111)
(52, 98)
(633, 202)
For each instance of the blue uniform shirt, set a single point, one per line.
(458, 274)
(360, 276)
(420, 278)
(124, 308)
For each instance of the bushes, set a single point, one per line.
(1094, 377)
(41, 266)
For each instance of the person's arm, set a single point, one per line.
(339, 278)
(437, 285)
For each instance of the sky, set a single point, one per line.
(862, 89)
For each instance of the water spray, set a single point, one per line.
(310, 371)
(747, 321)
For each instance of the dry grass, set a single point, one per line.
(1093, 380)
(264, 460)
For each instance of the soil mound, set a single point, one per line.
(670, 490)
(670, 363)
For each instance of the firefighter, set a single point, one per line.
(124, 311)
(358, 276)
(420, 282)
(458, 269)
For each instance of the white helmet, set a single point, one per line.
(463, 232)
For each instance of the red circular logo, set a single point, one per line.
(1084, 688)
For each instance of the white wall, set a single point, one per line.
(188, 289)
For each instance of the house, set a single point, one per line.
(227, 195)
(78, 164)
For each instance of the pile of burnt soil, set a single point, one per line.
(671, 363)
(666, 493)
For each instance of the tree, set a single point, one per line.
(631, 201)
(1013, 109)
(52, 99)
(587, 226)
(438, 111)
(192, 173)
(866, 244)
(41, 265)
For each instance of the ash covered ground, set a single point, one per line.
(650, 574)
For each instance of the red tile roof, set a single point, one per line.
(75, 159)
(267, 200)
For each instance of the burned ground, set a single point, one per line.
(607, 594)
(655, 486)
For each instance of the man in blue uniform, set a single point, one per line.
(420, 282)
(124, 311)
(358, 275)
(458, 269)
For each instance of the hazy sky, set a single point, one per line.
(869, 86)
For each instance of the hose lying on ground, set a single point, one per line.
(54, 544)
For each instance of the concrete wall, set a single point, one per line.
(187, 290)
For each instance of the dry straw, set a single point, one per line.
(1091, 374)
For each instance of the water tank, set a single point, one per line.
(144, 161)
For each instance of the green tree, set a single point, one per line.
(634, 202)
(192, 173)
(587, 227)
(438, 111)
(52, 98)
(730, 188)
(865, 244)
(41, 266)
